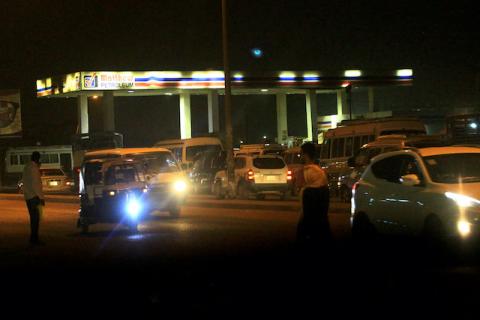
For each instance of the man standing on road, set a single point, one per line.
(33, 193)
(313, 226)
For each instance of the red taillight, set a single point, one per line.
(250, 175)
(355, 187)
(289, 175)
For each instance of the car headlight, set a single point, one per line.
(180, 186)
(133, 208)
(462, 200)
(464, 227)
(70, 183)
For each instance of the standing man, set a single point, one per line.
(313, 226)
(33, 193)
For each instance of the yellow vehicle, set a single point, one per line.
(157, 168)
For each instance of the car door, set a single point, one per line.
(407, 214)
(381, 202)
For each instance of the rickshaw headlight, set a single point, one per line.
(133, 208)
(180, 186)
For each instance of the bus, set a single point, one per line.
(52, 157)
(185, 150)
(82, 143)
(464, 128)
(343, 142)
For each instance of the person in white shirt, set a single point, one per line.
(33, 194)
(313, 226)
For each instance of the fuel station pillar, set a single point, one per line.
(213, 113)
(108, 111)
(312, 115)
(82, 113)
(185, 116)
(282, 125)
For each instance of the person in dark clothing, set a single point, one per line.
(33, 194)
(313, 227)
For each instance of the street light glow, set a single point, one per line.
(287, 76)
(353, 73)
(238, 76)
(257, 52)
(404, 73)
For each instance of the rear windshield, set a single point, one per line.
(268, 163)
(51, 172)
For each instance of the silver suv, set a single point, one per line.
(256, 176)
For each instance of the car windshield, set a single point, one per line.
(454, 168)
(268, 163)
(121, 174)
(160, 162)
(92, 173)
(193, 151)
(51, 172)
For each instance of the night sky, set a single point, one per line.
(438, 39)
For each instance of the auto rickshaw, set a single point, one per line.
(112, 191)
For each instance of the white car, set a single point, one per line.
(256, 175)
(53, 180)
(433, 192)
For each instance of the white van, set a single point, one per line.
(343, 142)
(185, 150)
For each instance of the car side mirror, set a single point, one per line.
(351, 162)
(410, 180)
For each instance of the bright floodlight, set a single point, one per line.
(180, 186)
(353, 73)
(404, 73)
(133, 208)
(473, 125)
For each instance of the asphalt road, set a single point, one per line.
(225, 262)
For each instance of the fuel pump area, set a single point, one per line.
(312, 84)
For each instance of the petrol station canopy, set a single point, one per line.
(160, 82)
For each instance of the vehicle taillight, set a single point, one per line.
(355, 187)
(250, 175)
(289, 175)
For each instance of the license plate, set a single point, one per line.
(271, 178)
(54, 183)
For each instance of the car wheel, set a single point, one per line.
(242, 191)
(362, 228)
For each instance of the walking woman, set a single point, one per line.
(313, 227)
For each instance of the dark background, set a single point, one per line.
(439, 40)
